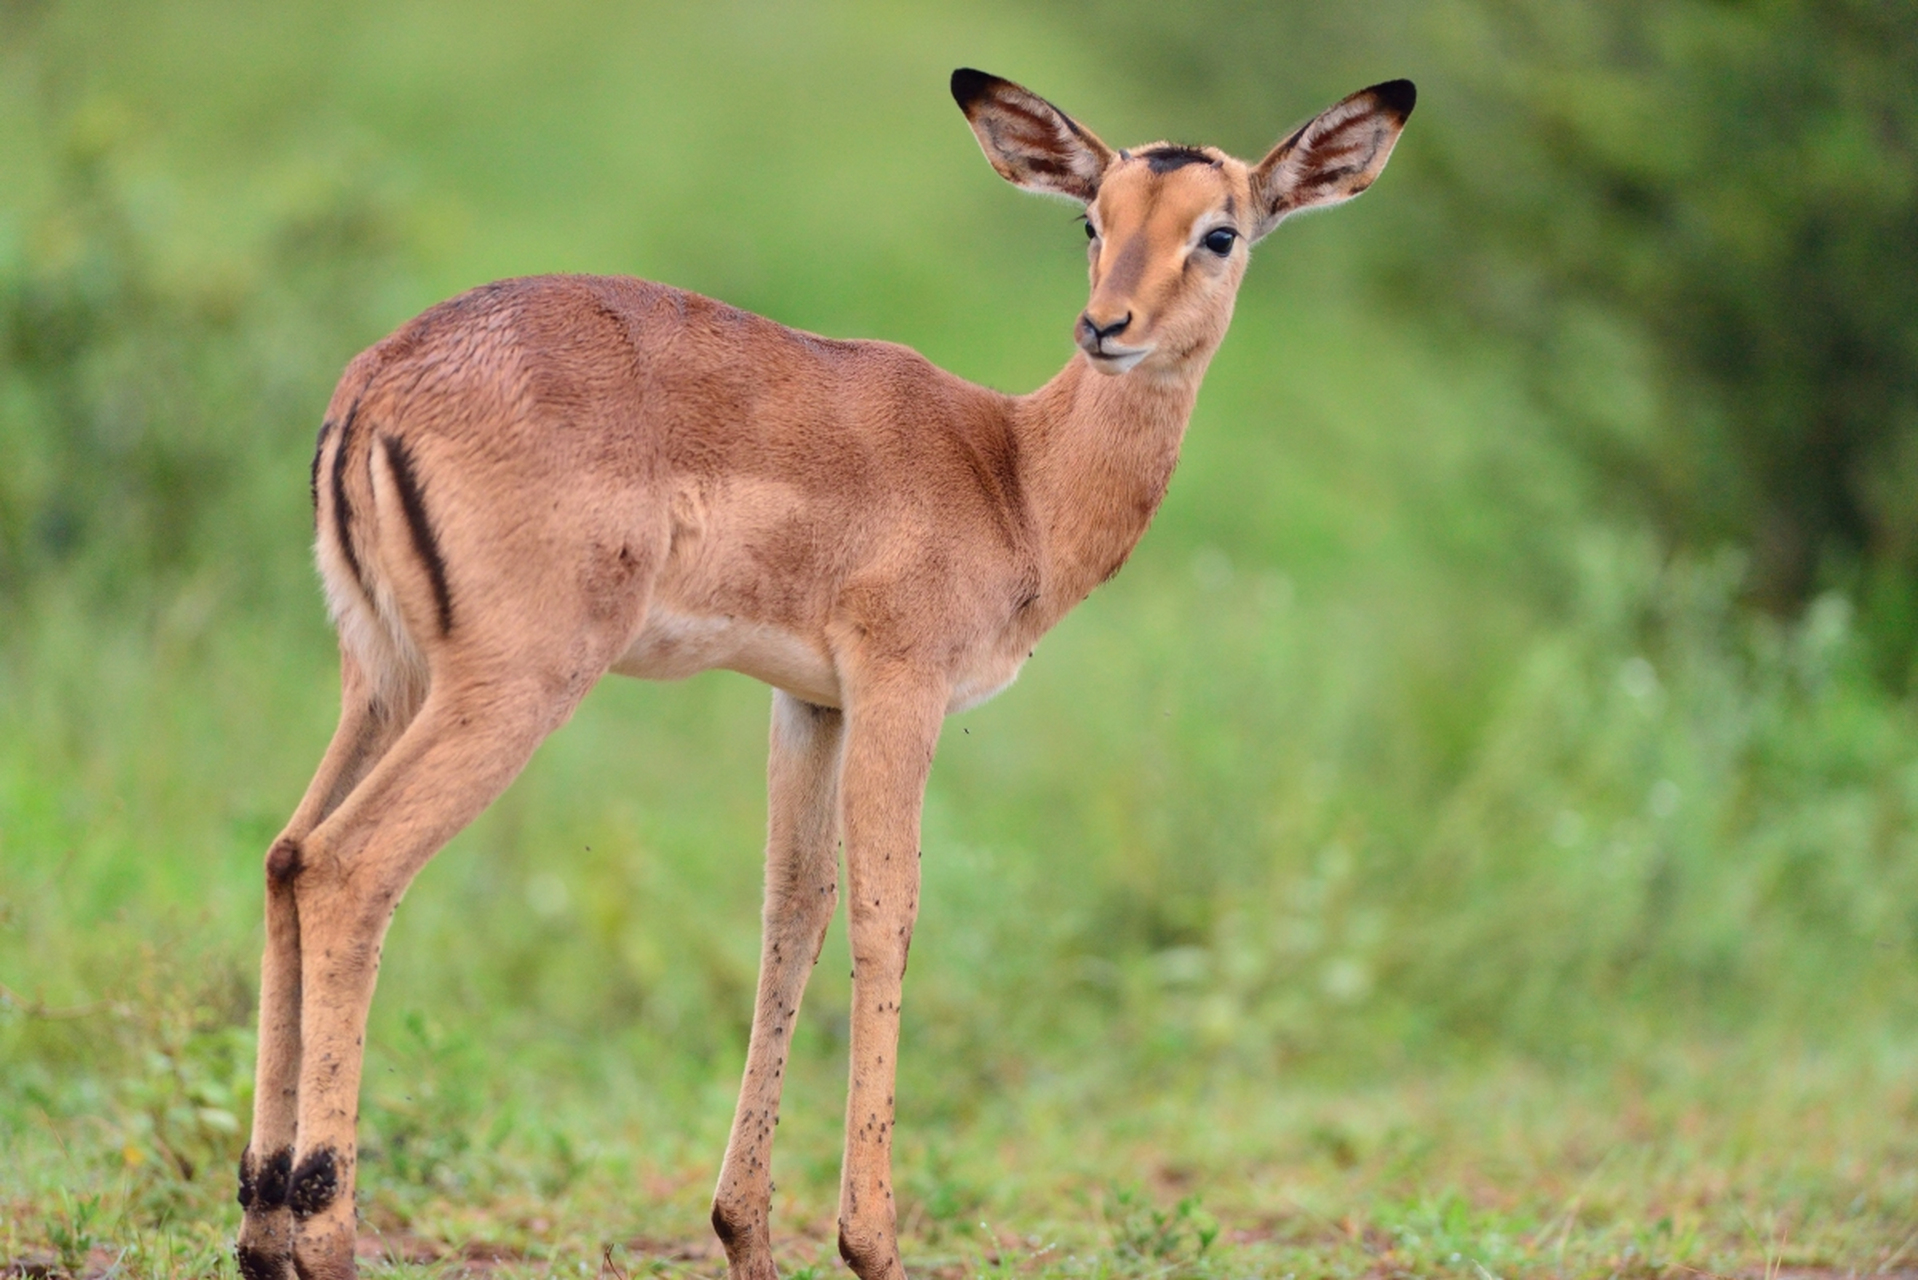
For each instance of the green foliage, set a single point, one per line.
(72, 1233)
(146, 403)
(426, 1130)
(1722, 199)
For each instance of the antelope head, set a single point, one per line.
(1171, 226)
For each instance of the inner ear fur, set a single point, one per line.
(1029, 141)
(1333, 156)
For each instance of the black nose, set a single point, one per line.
(1112, 330)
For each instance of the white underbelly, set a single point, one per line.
(673, 646)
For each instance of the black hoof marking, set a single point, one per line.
(314, 1184)
(283, 862)
(263, 1186)
(274, 1178)
(258, 1264)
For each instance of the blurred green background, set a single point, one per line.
(1518, 677)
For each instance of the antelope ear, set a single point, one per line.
(1030, 142)
(1334, 156)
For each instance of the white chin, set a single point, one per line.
(1114, 365)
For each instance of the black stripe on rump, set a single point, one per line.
(343, 509)
(413, 501)
(313, 477)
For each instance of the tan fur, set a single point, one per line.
(548, 479)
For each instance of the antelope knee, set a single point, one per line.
(813, 908)
(358, 896)
(880, 945)
(284, 861)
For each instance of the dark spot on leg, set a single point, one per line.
(263, 1183)
(274, 1176)
(314, 1183)
(249, 1183)
(723, 1227)
(283, 862)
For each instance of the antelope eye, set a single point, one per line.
(1092, 232)
(1220, 241)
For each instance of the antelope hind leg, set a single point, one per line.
(264, 1250)
(470, 739)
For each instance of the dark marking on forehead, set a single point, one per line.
(1167, 158)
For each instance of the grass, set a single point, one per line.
(1404, 867)
(1679, 1164)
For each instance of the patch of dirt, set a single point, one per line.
(700, 1257)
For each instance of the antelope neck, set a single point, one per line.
(1102, 450)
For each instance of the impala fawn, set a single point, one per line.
(547, 479)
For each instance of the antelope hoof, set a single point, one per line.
(871, 1256)
(749, 1252)
(324, 1250)
(264, 1250)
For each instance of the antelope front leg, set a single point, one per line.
(802, 830)
(892, 729)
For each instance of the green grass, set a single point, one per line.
(1403, 867)
(1679, 1163)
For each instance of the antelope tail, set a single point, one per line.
(387, 584)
